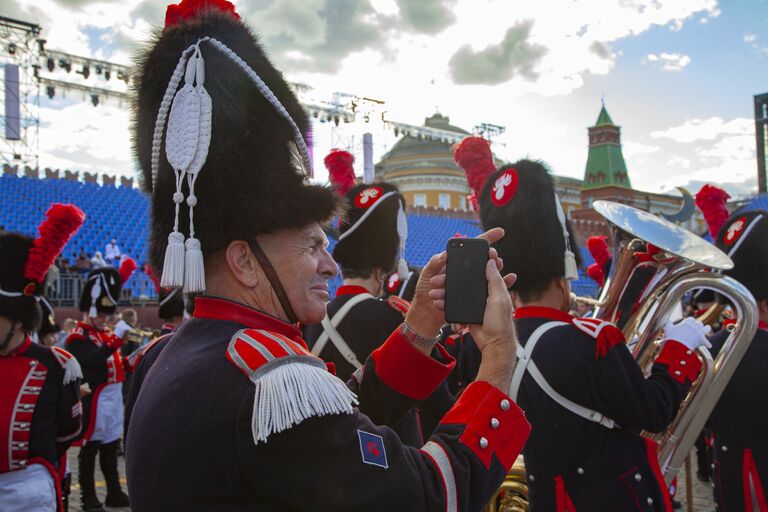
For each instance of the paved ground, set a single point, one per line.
(702, 493)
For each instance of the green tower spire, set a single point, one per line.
(605, 162)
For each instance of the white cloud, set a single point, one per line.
(752, 41)
(705, 151)
(631, 149)
(668, 61)
(706, 129)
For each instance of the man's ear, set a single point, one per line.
(242, 263)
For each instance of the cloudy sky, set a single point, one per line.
(677, 75)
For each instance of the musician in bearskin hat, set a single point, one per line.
(740, 429)
(40, 410)
(259, 415)
(371, 242)
(579, 385)
(97, 349)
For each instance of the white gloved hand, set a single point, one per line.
(690, 332)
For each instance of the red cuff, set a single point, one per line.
(682, 363)
(406, 370)
(495, 424)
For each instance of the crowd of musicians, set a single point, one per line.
(275, 396)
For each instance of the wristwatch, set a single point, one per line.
(418, 339)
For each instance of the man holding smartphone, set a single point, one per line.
(236, 413)
(589, 397)
(357, 321)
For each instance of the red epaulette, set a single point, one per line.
(291, 383)
(68, 363)
(605, 333)
(398, 304)
(252, 349)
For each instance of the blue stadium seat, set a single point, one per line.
(123, 213)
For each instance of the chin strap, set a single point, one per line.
(274, 280)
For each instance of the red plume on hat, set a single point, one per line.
(598, 248)
(62, 221)
(153, 277)
(340, 170)
(189, 9)
(127, 267)
(712, 200)
(474, 156)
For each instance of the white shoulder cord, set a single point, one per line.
(526, 363)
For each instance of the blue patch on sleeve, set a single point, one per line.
(372, 449)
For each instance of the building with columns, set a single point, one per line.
(424, 170)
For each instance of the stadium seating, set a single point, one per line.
(122, 213)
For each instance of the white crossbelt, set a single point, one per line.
(330, 332)
(525, 362)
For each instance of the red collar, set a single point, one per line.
(542, 312)
(350, 289)
(21, 349)
(216, 308)
(762, 325)
(168, 327)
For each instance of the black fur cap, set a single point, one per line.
(744, 237)
(14, 249)
(533, 246)
(375, 242)
(171, 302)
(108, 297)
(247, 185)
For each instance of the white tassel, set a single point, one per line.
(402, 268)
(173, 265)
(293, 392)
(402, 233)
(72, 371)
(571, 269)
(194, 268)
(95, 294)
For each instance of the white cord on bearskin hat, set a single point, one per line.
(188, 139)
(571, 269)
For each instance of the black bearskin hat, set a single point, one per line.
(744, 237)
(48, 324)
(403, 287)
(252, 178)
(368, 233)
(521, 199)
(101, 292)
(24, 263)
(13, 255)
(171, 303)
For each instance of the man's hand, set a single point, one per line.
(427, 314)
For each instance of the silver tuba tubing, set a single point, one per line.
(678, 440)
(655, 263)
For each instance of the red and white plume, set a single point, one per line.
(340, 170)
(598, 248)
(473, 155)
(712, 200)
(62, 221)
(127, 267)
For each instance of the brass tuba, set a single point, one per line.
(655, 263)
